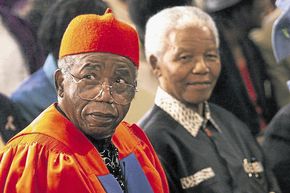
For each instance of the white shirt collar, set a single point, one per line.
(185, 116)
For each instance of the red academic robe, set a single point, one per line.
(52, 155)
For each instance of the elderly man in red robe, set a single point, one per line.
(81, 144)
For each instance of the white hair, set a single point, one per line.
(65, 63)
(178, 17)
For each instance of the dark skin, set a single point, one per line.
(189, 65)
(96, 118)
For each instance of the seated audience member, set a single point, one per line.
(278, 73)
(19, 51)
(33, 11)
(81, 144)
(244, 81)
(37, 92)
(277, 135)
(277, 147)
(203, 147)
(10, 120)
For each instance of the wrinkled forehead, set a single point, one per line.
(103, 61)
(201, 36)
(101, 57)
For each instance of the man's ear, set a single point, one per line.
(59, 82)
(153, 60)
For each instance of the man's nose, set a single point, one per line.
(200, 66)
(105, 94)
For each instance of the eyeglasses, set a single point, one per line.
(91, 89)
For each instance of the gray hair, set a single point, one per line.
(178, 17)
(65, 63)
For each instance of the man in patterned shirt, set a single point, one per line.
(203, 147)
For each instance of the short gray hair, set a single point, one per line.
(178, 17)
(65, 63)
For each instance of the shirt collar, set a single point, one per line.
(49, 68)
(185, 116)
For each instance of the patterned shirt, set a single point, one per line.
(110, 156)
(185, 116)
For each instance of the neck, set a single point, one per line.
(101, 144)
(57, 106)
(198, 108)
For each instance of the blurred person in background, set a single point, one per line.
(243, 82)
(10, 120)
(32, 11)
(202, 147)
(9, 4)
(278, 73)
(277, 135)
(19, 49)
(37, 92)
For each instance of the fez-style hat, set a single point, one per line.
(218, 5)
(100, 33)
(281, 35)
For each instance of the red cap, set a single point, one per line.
(100, 33)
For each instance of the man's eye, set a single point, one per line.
(211, 56)
(89, 77)
(185, 57)
(120, 81)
